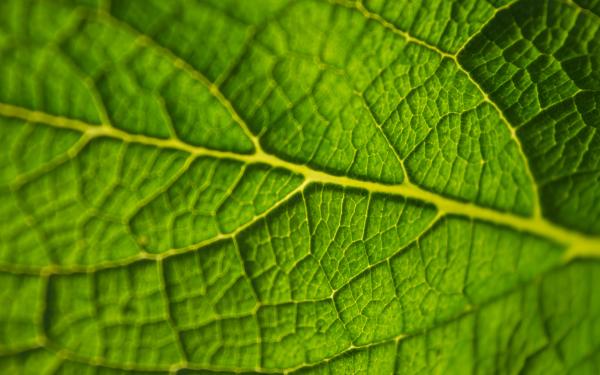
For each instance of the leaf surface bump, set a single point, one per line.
(304, 186)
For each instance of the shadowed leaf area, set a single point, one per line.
(319, 187)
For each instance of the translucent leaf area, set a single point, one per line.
(320, 187)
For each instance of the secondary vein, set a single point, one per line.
(359, 7)
(577, 244)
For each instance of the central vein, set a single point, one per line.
(577, 244)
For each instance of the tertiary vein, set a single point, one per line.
(577, 244)
(214, 89)
(68, 355)
(181, 64)
(358, 6)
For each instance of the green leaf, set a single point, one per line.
(300, 186)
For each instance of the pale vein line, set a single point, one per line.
(411, 39)
(577, 6)
(578, 244)
(144, 255)
(179, 63)
(311, 175)
(70, 355)
(183, 361)
(484, 24)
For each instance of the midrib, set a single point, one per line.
(576, 243)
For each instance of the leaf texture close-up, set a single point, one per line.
(316, 187)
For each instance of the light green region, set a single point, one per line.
(20, 316)
(442, 23)
(328, 187)
(212, 198)
(118, 315)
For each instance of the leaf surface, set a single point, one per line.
(300, 186)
